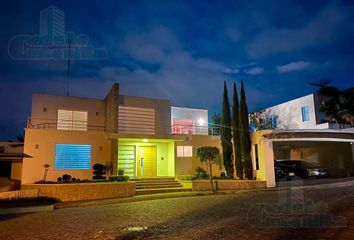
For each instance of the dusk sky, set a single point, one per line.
(180, 50)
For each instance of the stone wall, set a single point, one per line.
(19, 194)
(204, 185)
(83, 191)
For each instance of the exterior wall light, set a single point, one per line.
(145, 140)
(201, 121)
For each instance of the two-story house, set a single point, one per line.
(297, 130)
(145, 137)
(299, 113)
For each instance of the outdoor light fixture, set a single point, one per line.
(201, 121)
(145, 140)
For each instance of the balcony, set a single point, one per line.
(63, 125)
(84, 126)
(178, 129)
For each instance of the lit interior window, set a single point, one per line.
(179, 151)
(72, 120)
(187, 151)
(184, 151)
(72, 156)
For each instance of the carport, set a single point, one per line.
(330, 149)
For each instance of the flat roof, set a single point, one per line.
(198, 109)
(307, 134)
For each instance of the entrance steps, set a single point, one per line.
(158, 185)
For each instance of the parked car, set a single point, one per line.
(299, 168)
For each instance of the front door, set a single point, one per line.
(146, 161)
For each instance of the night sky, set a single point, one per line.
(180, 50)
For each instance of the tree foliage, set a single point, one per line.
(245, 135)
(261, 120)
(236, 134)
(209, 156)
(339, 105)
(226, 134)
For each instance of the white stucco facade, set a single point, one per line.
(290, 115)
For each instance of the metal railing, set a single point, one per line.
(64, 125)
(178, 129)
(213, 130)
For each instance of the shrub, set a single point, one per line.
(222, 175)
(120, 172)
(200, 173)
(99, 171)
(60, 179)
(66, 178)
(187, 177)
(109, 167)
(118, 178)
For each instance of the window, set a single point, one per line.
(184, 151)
(72, 156)
(72, 120)
(126, 159)
(256, 156)
(305, 113)
(274, 120)
(136, 120)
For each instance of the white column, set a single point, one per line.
(269, 163)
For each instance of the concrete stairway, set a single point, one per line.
(158, 185)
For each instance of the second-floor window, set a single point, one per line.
(305, 113)
(274, 121)
(72, 120)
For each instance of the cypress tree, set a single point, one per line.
(245, 135)
(236, 134)
(226, 134)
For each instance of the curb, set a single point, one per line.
(31, 209)
(150, 197)
(139, 198)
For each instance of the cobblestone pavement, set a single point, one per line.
(231, 216)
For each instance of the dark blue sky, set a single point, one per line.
(181, 50)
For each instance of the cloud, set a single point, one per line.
(180, 76)
(254, 71)
(294, 66)
(320, 30)
(233, 70)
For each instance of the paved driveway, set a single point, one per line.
(328, 214)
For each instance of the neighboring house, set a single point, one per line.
(297, 130)
(300, 113)
(11, 158)
(331, 149)
(146, 137)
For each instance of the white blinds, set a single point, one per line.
(72, 120)
(134, 120)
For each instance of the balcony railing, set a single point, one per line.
(64, 125)
(83, 126)
(178, 129)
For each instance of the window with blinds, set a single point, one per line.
(72, 157)
(134, 120)
(126, 159)
(184, 151)
(72, 120)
